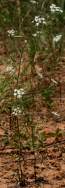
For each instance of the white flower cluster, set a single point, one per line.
(57, 38)
(10, 69)
(19, 93)
(38, 20)
(16, 111)
(36, 34)
(33, 1)
(54, 8)
(11, 32)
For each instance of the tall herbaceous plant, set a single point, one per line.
(33, 33)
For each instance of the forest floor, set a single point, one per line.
(50, 159)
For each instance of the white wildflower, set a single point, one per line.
(16, 111)
(11, 32)
(10, 69)
(54, 8)
(57, 38)
(19, 92)
(33, 1)
(39, 32)
(25, 41)
(54, 81)
(34, 35)
(38, 20)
